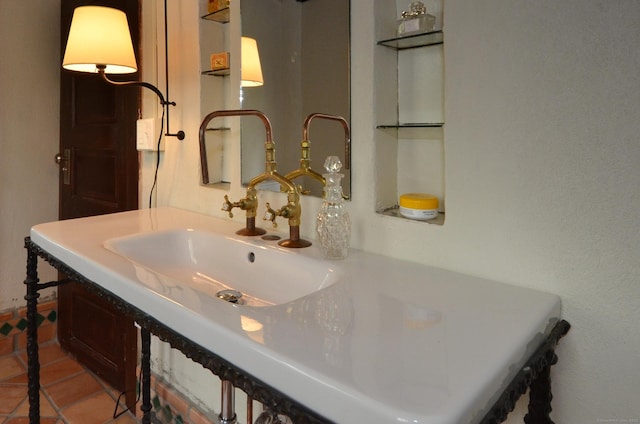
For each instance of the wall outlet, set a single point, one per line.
(146, 135)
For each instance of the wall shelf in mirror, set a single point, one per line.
(414, 125)
(214, 49)
(221, 16)
(415, 40)
(412, 131)
(217, 73)
(218, 129)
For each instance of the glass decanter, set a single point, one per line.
(333, 225)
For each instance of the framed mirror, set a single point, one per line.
(304, 49)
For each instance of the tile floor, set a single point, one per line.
(69, 393)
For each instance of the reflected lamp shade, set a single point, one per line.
(251, 71)
(99, 36)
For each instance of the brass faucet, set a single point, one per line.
(249, 203)
(305, 144)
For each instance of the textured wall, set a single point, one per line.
(29, 133)
(543, 116)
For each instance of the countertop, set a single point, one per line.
(391, 342)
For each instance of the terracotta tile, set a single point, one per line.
(47, 354)
(10, 366)
(59, 370)
(6, 316)
(12, 396)
(25, 420)
(73, 389)
(49, 332)
(6, 345)
(197, 417)
(46, 409)
(18, 379)
(46, 333)
(125, 419)
(94, 410)
(168, 395)
(44, 306)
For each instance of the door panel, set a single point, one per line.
(98, 175)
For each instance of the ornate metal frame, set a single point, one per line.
(534, 375)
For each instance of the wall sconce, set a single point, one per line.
(99, 42)
(251, 70)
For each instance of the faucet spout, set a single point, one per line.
(347, 133)
(269, 144)
(305, 144)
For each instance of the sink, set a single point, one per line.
(223, 266)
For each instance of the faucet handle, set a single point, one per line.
(227, 206)
(301, 190)
(270, 215)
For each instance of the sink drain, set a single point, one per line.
(231, 296)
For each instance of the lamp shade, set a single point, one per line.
(251, 71)
(99, 36)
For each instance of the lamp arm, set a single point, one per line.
(135, 84)
(180, 134)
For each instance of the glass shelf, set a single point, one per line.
(394, 211)
(411, 125)
(430, 131)
(218, 129)
(415, 40)
(221, 16)
(218, 73)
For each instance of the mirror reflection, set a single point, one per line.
(304, 54)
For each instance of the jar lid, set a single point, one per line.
(418, 201)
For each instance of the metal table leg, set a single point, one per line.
(145, 365)
(33, 367)
(540, 394)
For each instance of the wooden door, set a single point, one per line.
(98, 175)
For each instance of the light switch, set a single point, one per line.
(146, 138)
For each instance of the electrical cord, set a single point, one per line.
(155, 177)
(117, 414)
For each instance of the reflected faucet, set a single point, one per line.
(305, 144)
(249, 203)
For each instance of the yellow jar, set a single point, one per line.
(418, 206)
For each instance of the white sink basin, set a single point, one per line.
(211, 263)
(332, 350)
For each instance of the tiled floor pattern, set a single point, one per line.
(69, 393)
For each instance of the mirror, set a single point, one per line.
(304, 55)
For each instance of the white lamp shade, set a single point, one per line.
(250, 64)
(99, 36)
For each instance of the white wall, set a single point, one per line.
(542, 105)
(29, 133)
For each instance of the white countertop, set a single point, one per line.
(392, 342)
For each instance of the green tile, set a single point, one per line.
(22, 324)
(156, 403)
(179, 419)
(6, 329)
(167, 414)
(53, 315)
